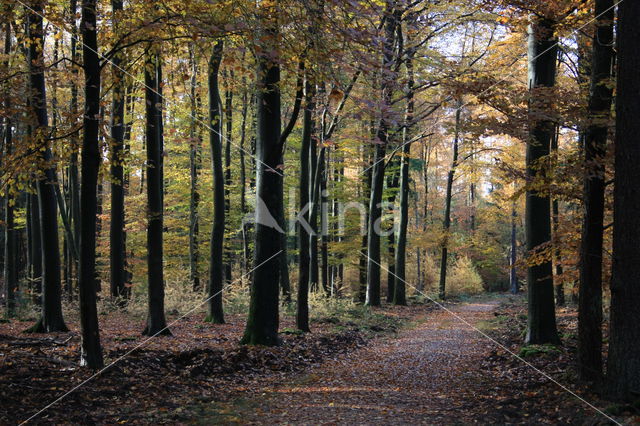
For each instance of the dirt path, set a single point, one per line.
(429, 374)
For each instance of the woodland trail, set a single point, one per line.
(430, 374)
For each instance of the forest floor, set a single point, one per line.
(441, 371)
(412, 365)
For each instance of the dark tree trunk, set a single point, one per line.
(513, 254)
(51, 319)
(623, 367)
(302, 313)
(34, 237)
(447, 206)
(399, 295)
(263, 320)
(228, 115)
(11, 234)
(74, 175)
(216, 267)
(91, 351)
(377, 179)
(595, 146)
(542, 73)
(314, 270)
(117, 249)
(195, 149)
(243, 180)
(393, 184)
(156, 322)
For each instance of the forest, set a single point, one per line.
(319, 212)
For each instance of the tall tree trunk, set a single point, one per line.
(74, 175)
(195, 149)
(91, 351)
(117, 249)
(393, 184)
(314, 271)
(555, 217)
(228, 115)
(623, 367)
(216, 267)
(11, 234)
(542, 73)
(513, 252)
(590, 290)
(447, 205)
(243, 180)
(399, 295)
(302, 313)
(51, 319)
(156, 322)
(377, 180)
(35, 247)
(263, 320)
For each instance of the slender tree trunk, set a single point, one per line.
(194, 169)
(302, 313)
(243, 180)
(377, 180)
(393, 184)
(35, 247)
(156, 322)
(117, 249)
(623, 367)
(542, 73)
(91, 350)
(216, 267)
(51, 319)
(513, 255)
(11, 234)
(590, 290)
(263, 321)
(314, 270)
(447, 207)
(74, 176)
(399, 295)
(228, 115)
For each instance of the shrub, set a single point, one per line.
(464, 278)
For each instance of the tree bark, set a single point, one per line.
(623, 367)
(302, 312)
(377, 179)
(447, 206)
(195, 150)
(263, 321)
(91, 355)
(542, 73)
(216, 267)
(117, 249)
(595, 146)
(51, 319)
(156, 322)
